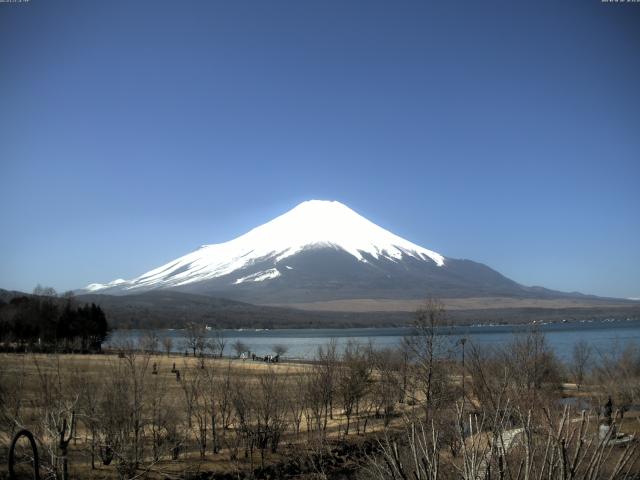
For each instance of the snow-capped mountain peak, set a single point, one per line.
(310, 225)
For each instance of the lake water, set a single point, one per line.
(304, 343)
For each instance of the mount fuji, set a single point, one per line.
(317, 252)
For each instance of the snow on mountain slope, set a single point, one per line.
(92, 287)
(311, 224)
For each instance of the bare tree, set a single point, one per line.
(525, 370)
(428, 348)
(244, 407)
(327, 368)
(280, 349)
(270, 409)
(219, 342)
(123, 424)
(561, 446)
(213, 386)
(240, 347)
(90, 394)
(41, 291)
(190, 385)
(167, 344)
(580, 362)
(57, 415)
(201, 411)
(195, 337)
(163, 416)
(532, 368)
(617, 371)
(224, 399)
(415, 456)
(388, 389)
(296, 401)
(318, 401)
(149, 342)
(354, 380)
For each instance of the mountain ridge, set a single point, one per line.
(171, 309)
(323, 251)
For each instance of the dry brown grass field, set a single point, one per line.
(356, 414)
(33, 378)
(456, 304)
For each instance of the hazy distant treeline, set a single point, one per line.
(45, 322)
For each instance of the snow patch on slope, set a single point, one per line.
(92, 287)
(259, 277)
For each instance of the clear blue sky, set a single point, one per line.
(507, 132)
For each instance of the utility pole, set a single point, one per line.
(463, 340)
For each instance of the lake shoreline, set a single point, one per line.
(303, 343)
